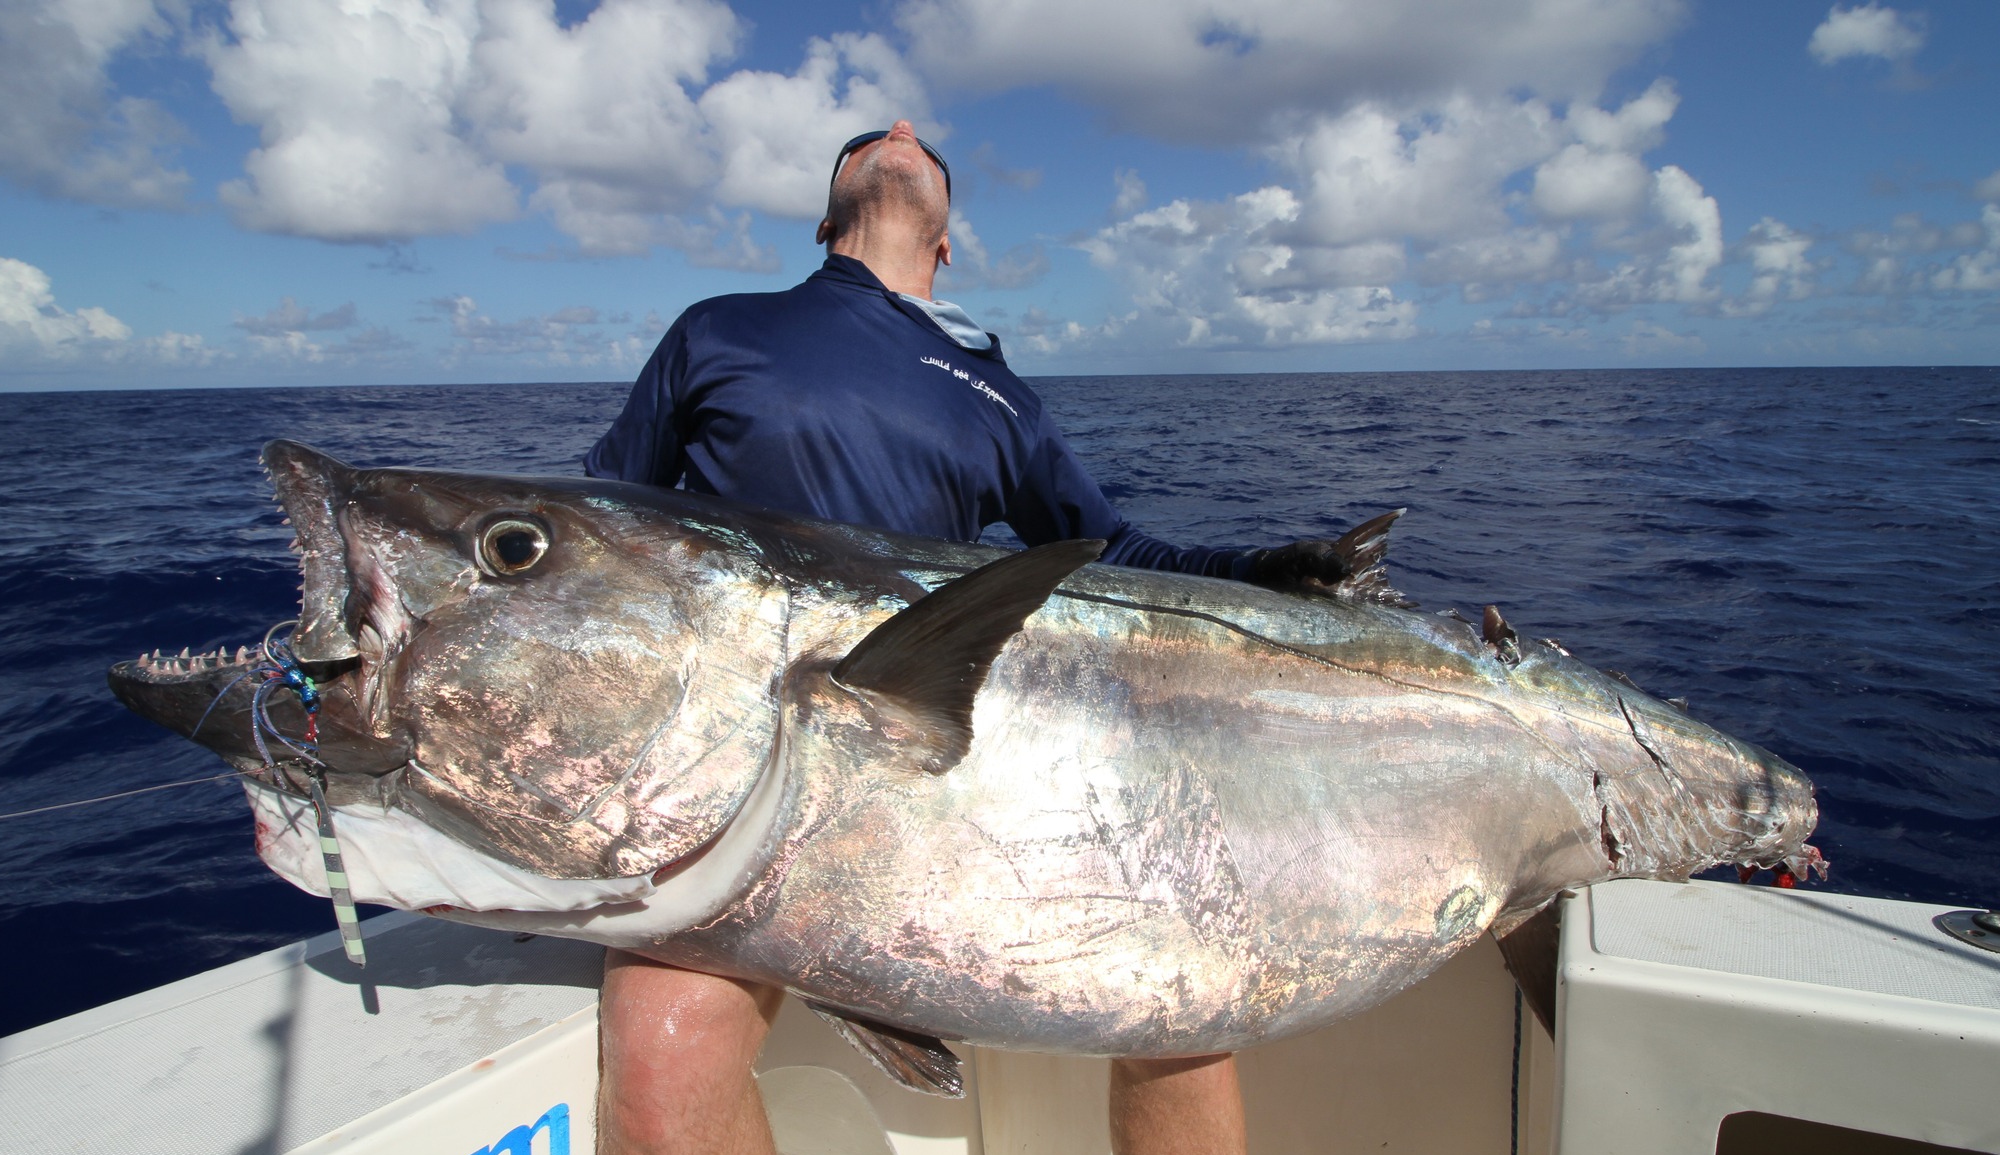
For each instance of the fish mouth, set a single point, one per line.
(241, 705)
(250, 704)
(350, 612)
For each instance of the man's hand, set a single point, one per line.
(1349, 568)
(1302, 567)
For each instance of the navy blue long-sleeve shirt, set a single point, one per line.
(841, 399)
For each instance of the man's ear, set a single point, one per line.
(944, 249)
(824, 231)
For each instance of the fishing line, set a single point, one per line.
(279, 668)
(1514, 1116)
(121, 794)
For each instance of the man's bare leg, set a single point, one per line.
(1176, 1107)
(674, 1052)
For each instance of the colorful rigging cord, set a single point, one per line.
(279, 669)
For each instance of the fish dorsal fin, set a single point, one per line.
(931, 658)
(1362, 549)
(1501, 636)
(919, 1062)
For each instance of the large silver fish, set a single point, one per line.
(939, 791)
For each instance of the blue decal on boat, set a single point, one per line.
(521, 1140)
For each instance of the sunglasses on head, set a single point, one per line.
(868, 138)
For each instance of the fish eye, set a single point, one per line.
(511, 545)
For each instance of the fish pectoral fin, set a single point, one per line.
(919, 1062)
(932, 657)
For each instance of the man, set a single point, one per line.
(855, 397)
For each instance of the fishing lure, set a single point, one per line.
(336, 873)
(280, 669)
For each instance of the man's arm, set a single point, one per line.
(644, 442)
(1057, 499)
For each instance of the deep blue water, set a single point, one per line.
(1809, 555)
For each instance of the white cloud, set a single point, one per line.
(1514, 257)
(973, 266)
(32, 324)
(600, 113)
(287, 346)
(1039, 332)
(1988, 189)
(1646, 339)
(293, 333)
(1869, 30)
(1440, 182)
(1977, 271)
(1212, 276)
(35, 326)
(574, 336)
(986, 159)
(1132, 193)
(63, 133)
(1671, 260)
(1372, 198)
(291, 317)
(717, 240)
(1205, 70)
(1601, 175)
(1893, 260)
(778, 133)
(1581, 182)
(1696, 220)
(355, 104)
(1637, 126)
(384, 120)
(179, 350)
(1779, 268)
(1365, 176)
(36, 332)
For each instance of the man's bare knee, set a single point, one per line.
(675, 1050)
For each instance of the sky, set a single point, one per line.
(272, 192)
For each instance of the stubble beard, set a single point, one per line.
(874, 187)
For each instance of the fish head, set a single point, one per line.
(1687, 796)
(558, 673)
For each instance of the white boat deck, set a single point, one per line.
(269, 1053)
(1680, 1006)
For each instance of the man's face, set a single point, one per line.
(897, 160)
(896, 180)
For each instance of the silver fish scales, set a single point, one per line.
(947, 793)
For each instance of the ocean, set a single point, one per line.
(1810, 556)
